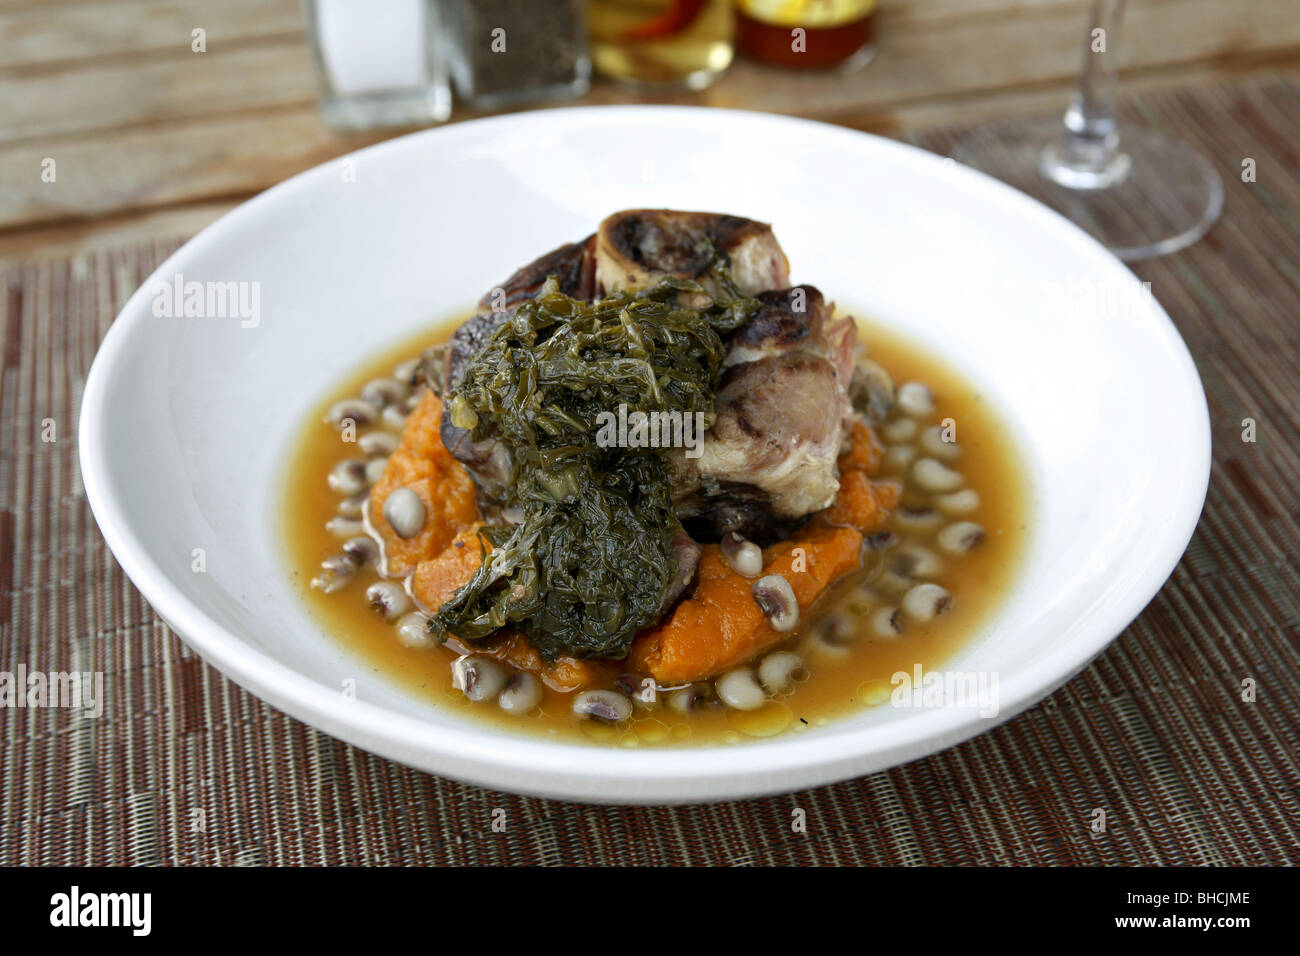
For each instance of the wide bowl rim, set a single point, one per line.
(486, 756)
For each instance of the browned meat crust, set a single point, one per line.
(573, 264)
(639, 246)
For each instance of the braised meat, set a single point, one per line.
(782, 414)
(782, 407)
(640, 246)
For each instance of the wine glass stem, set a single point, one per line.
(1087, 155)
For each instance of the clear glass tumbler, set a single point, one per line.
(379, 64)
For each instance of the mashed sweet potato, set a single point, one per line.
(716, 627)
(422, 464)
(720, 625)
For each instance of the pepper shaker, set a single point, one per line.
(503, 52)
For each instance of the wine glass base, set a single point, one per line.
(1158, 196)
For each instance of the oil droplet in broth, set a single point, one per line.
(650, 731)
(599, 731)
(873, 693)
(772, 718)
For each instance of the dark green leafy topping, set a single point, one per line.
(592, 561)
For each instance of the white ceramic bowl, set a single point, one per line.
(185, 420)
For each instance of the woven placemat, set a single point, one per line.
(1155, 733)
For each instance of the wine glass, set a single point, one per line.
(1140, 193)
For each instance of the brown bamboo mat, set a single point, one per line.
(1155, 732)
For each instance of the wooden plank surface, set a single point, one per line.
(919, 58)
(53, 33)
(137, 124)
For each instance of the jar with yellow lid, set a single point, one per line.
(807, 33)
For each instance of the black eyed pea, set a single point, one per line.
(775, 598)
(388, 599)
(521, 695)
(342, 527)
(960, 537)
(405, 512)
(604, 705)
(959, 502)
(377, 443)
(891, 583)
(915, 399)
(336, 571)
(394, 417)
(362, 549)
(478, 678)
(933, 443)
(354, 505)
(687, 700)
(818, 645)
(935, 476)
(899, 430)
(779, 671)
(375, 469)
(356, 411)
(745, 557)
(916, 561)
(645, 694)
(837, 627)
(898, 457)
(384, 391)
(413, 631)
(348, 477)
(408, 370)
(917, 519)
(926, 601)
(887, 622)
(740, 690)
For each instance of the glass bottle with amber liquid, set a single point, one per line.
(807, 33)
(661, 43)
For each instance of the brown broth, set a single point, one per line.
(834, 687)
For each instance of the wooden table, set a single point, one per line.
(151, 139)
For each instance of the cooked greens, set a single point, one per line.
(592, 561)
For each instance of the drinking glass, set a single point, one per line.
(1141, 193)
